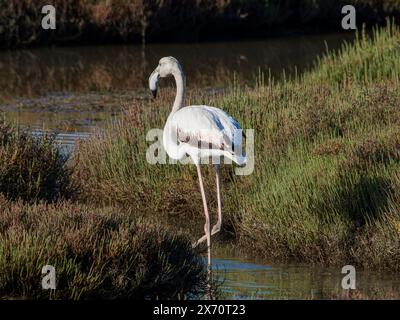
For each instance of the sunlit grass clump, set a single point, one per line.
(370, 58)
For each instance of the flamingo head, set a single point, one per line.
(166, 67)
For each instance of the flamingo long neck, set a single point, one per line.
(180, 89)
(174, 149)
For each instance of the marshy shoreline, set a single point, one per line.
(325, 189)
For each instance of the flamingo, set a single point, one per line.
(198, 131)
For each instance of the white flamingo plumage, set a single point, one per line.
(199, 131)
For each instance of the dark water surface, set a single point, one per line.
(43, 72)
(74, 90)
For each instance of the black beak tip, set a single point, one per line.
(154, 93)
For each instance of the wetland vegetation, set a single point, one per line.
(325, 186)
(325, 189)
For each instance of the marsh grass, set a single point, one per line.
(97, 253)
(325, 186)
(360, 61)
(31, 168)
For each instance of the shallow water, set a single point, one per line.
(247, 278)
(74, 90)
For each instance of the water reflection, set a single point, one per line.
(76, 89)
(65, 141)
(248, 279)
(46, 71)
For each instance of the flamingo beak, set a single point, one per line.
(153, 82)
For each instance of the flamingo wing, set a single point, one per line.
(200, 126)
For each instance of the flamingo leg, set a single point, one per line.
(207, 227)
(217, 227)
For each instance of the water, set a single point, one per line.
(247, 278)
(75, 90)
(49, 71)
